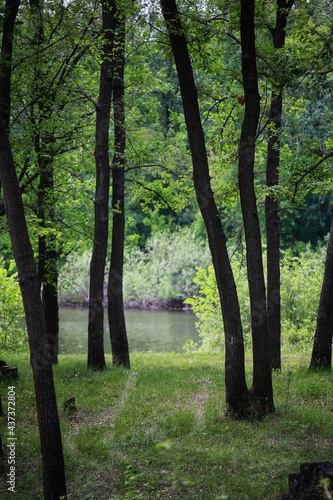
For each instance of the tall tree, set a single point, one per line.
(96, 358)
(116, 315)
(272, 179)
(236, 390)
(54, 480)
(46, 404)
(48, 102)
(44, 141)
(262, 376)
(240, 401)
(11, 10)
(321, 358)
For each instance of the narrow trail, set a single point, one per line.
(106, 416)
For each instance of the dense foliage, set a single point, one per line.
(158, 275)
(301, 278)
(12, 335)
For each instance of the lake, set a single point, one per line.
(147, 330)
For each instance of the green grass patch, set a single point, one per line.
(159, 431)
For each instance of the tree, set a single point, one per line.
(272, 179)
(48, 99)
(321, 357)
(96, 359)
(46, 404)
(116, 315)
(240, 401)
(11, 10)
(48, 421)
(236, 390)
(44, 145)
(262, 375)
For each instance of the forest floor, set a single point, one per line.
(159, 430)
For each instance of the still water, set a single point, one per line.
(146, 330)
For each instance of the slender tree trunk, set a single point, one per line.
(48, 422)
(11, 10)
(272, 232)
(271, 204)
(321, 358)
(262, 388)
(47, 252)
(236, 389)
(96, 358)
(48, 279)
(117, 324)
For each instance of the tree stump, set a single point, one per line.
(6, 371)
(312, 482)
(69, 405)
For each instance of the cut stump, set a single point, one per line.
(314, 481)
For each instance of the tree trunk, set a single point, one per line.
(272, 233)
(48, 422)
(236, 390)
(48, 279)
(271, 204)
(321, 358)
(54, 480)
(96, 358)
(11, 10)
(262, 388)
(117, 324)
(47, 252)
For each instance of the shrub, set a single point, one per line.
(206, 305)
(162, 271)
(74, 278)
(12, 335)
(301, 279)
(165, 268)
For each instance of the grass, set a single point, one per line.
(159, 430)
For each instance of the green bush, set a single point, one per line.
(206, 305)
(301, 279)
(12, 335)
(74, 278)
(165, 269)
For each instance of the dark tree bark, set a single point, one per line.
(48, 279)
(262, 388)
(47, 251)
(116, 316)
(321, 358)
(11, 10)
(271, 204)
(48, 422)
(236, 389)
(96, 358)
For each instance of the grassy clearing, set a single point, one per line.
(159, 431)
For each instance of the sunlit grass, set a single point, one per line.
(159, 430)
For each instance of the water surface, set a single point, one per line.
(147, 330)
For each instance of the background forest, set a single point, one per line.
(54, 92)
